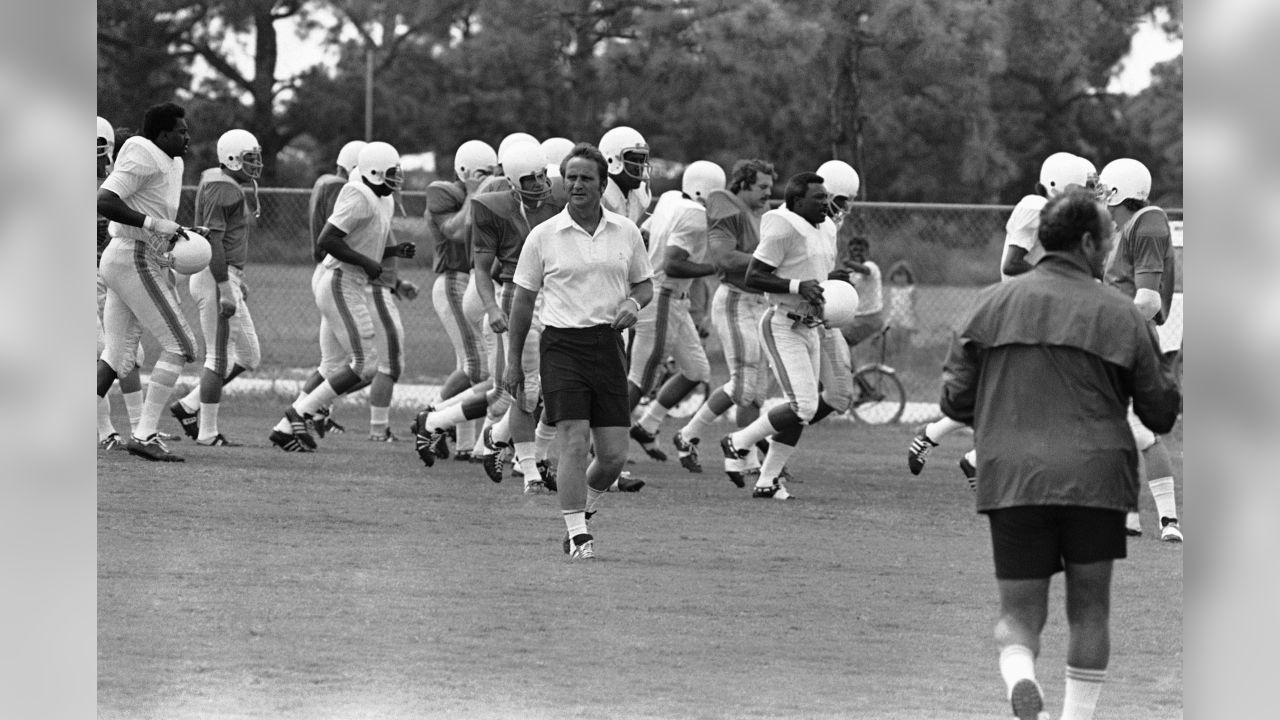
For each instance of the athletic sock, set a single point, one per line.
(774, 461)
(500, 431)
(1016, 663)
(466, 434)
(693, 429)
(379, 419)
(163, 377)
(526, 462)
(940, 428)
(653, 416)
(321, 397)
(1081, 697)
(134, 402)
(575, 521)
(593, 498)
(191, 401)
(543, 435)
(1162, 492)
(105, 428)
(759, 429)
(208, 421)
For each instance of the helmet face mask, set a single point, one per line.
(635, 163)
(842, 182)
(525, 167)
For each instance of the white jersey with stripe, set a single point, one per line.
(798, 249)
(148, 181)
(632, 205)
(366, 219)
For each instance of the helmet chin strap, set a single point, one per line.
(257, 202)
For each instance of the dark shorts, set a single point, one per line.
(584, 376)
(1034, 541)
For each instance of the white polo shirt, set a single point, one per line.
(366, 219)
(799, 251)
(583, 276)
(1020, 230)
(148, 180)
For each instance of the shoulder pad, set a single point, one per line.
(501, 202)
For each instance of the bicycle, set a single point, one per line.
(881, 398)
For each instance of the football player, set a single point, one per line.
(627, 154)
(140, 197)
(230, 340)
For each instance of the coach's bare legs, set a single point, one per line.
(1089, 640)
(1024, 606)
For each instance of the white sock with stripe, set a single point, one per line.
(133, 402)
(163, 377)
(1083, 688)
(379, 419)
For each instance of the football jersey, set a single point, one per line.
(632, 205)
(1144, 246)
(366, 219)
(500, 222)
(324, 193)
(686, 229)
(149, 182)
(220, 206)
(732, 224)
(799, 251)
(444, 200)
(1021, 228)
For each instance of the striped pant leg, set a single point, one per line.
(389, 330)
(796, 357)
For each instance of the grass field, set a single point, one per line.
(354, 583)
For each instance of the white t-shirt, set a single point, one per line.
(366, 219)
(148, 180)
(584, 276)
(799, 251)
(1020, 230)
(870, 297)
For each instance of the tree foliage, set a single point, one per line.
(932, 100)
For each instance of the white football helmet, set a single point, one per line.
(513, 138)
(623, 140)
(473, 156)
(839, 302)
(379, 164)
(239, 151)
(1060, 170)
(348, 155)
(523, 160)
(842, 182)
(1124, 179)
(700, 178)
(556, 148)
(107, 134)
(1090, 173)
(191, 252)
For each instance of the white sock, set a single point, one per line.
(163, 377)
(133, 402)
(1083, 688)
(1162, 493)
(321, 397)
(105, 428)
(441, 419)
(941, 427)
(698, 423)
(1016, 663)
(653, 416)
(501, 431)
(379, 419)
(759, 429)
(466, 433)
(474, 392)
(527, 463)
(777, 458)
(208, 421)
(191, 401)
(972, 455)
(575, 521)
(543, 435)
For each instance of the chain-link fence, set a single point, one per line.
(949, 252)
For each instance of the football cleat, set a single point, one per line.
(1169, 530)
(535, 487)
(298, 427)
(1133, 524)
(920, 446)
(583, 548)
(111, 442)
(463, 455)
(731, 452)
(548, 473)
(152, 448)
(564, 544)
(970, 472)
(168, 437)
(218, 440)
(422, 441)
(627, 483)
(775, 491)
(687, 451)
(493, 462)
(1027, 701)
(189, 420)
(288, 443)
(648, 442)
(385, 436)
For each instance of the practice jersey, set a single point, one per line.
(500, 222)
(451, 253)
(632, 205)
(684, 226)
(799, 251)
(220, 207)
(149, 182)
(366, 219)
(104, 237)
(1021, 228)
(1144, 246)
(324, 193)
(731, 224)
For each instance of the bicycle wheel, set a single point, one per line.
(881, 397)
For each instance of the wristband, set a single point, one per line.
(637, 302)
(148, 223)
(795, 287)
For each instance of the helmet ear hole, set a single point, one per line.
(616, 143)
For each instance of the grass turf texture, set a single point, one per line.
(355, 583)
